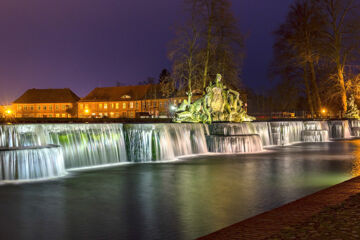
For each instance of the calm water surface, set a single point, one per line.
(178, 200)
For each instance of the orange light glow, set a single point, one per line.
(87, 111)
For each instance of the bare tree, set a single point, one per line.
(297, 47)
(341, 39)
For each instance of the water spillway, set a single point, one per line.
(235, 143)
(315, 131)
(29, 163)
(339, 129)
(154, 142)
(92, 145)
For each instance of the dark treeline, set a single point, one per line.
(316, 55)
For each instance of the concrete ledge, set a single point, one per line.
(269, 223)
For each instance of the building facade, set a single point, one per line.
(46, 103)
(126, 102)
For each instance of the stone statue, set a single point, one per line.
(352, 110)
(218, 104)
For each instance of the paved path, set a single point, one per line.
(304, 218)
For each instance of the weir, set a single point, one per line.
(26, 154)
(29, 163)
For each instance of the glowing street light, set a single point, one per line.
(323, 110)
(86, 111)
(8, 111)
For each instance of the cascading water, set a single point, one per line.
(155, 142)
(234, 144)
(284, 133)
(246, 128)
(355, 128)
(87, 145)
(315, 131)
(29, 163)
(339, 129)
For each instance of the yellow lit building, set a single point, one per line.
(46, 103)
(126, 102)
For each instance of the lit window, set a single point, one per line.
(50, 115)
(57, 115)
(25, 107)
(86, 106)
(100, 105)
(125, 96)
(131, 105)
(63, 115)
(112, 106)
(136, 105)
(57, 107)
(63, 107)
(50, 107)
(105, 106)
(124, 105)
(117, 105)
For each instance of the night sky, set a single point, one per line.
(83, 44)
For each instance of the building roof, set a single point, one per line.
(64, 95)
(122, 93)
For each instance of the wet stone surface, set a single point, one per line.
(338, 222)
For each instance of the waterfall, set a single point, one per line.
(284, 133)
(28, 163)
(355, 128)
(315, 131)
(339, 129)
(86, 145)
(154, 142)
(234, 144)
(246, 128)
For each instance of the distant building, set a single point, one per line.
(46, 103)
(126, 102)
(2, 111)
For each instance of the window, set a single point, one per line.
(44, 107)
(86, 106)
(63, 115)
(39, 107)
(57, 107)
(154, 104)
(160, 104)
(124, 105)
(100, 105)
(57, 115)
(125, 96)
(117, 105)
(131, 105)
(105, 105)
(25, 107)
(50, 107)
(63, 107)
(32, 108)
(50, 115)
(67, 106)
(112, 106)
(136, 105)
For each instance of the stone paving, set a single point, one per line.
(333, 213)
(338, 222)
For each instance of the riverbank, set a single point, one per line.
(332, 213)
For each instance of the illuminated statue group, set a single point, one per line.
(218, 104)
(352, 110)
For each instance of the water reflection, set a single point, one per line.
(356, 163)
(179, 200)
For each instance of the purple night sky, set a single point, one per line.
(83, 44)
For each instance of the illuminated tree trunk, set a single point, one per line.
(342, 89)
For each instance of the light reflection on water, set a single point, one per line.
(175, 200)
